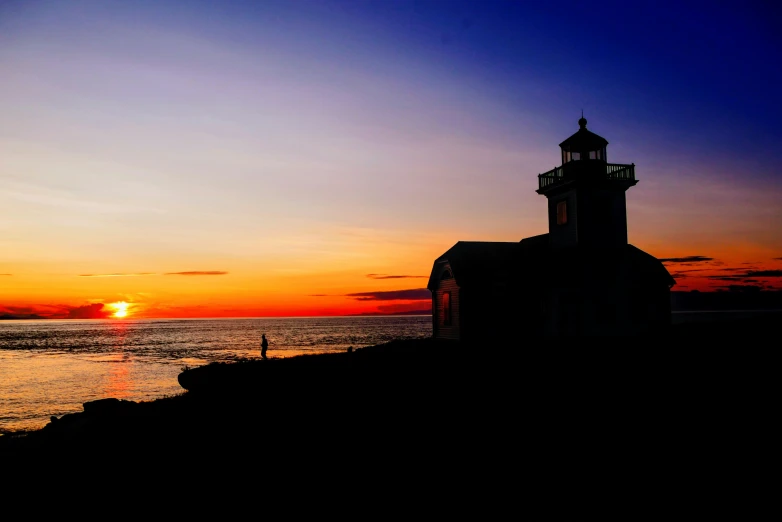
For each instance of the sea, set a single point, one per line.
(52, 367)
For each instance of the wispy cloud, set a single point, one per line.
(90, 311)
(764, 273)
(56, 198)
(139, 274)
(419, 294)
(683, 273)
(385, 276)
(743, 288)
(198, 273)
(5, 274)
(749, 273)
(399, 308)
(686, 259)
(17, 309)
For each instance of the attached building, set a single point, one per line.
(581, 278)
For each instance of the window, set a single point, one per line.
(562, 212)
(447, 309)
(595, 154)
(576, 156)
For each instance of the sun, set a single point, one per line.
(121, 308)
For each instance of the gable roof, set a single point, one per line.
(475, 261)
(532, 262)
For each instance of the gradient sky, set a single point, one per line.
(275, 158)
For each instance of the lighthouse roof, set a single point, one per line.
(583, 139)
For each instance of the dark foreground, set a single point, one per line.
(576, 427)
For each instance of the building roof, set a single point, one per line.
(473, 262)
(533, 263)
(583, 139)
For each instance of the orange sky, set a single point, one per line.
(278, 161)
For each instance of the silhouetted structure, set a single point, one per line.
(582, 278)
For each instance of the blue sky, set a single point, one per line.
(295, 147)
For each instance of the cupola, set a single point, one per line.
(583, 145)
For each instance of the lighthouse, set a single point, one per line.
(586, 194)
(581, 278)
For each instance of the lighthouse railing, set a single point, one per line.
(613, 171)
(619, 171)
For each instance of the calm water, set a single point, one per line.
(52, 367)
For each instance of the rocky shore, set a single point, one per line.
(425, 383)
(537, 411)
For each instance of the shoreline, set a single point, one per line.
(407, 380)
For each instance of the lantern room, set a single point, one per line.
(583, 145)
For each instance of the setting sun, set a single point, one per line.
(121, 309)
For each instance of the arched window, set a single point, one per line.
(447, 309)
(446, 274)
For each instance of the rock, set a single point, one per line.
(108, 406)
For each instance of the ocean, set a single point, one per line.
(51, 367)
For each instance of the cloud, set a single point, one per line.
(198, 273)
(777, 258)
(419, 294)
(384, 276)
(17, 310)
(743, 288)
(749, 273)
(90, 311)
(138, 274)
(687, 259)
(119, 275)
(5, 274)
(317, 295)
(764, 273)
(402, 308)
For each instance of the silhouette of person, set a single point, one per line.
(264, 346)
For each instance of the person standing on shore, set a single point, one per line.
(264, 346)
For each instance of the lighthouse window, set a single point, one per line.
(594, 154)
(576, 156)
(562, 212)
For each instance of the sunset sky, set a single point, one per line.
(286, 158)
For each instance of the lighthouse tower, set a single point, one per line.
(586, 194)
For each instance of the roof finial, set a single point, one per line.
(582, 122)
